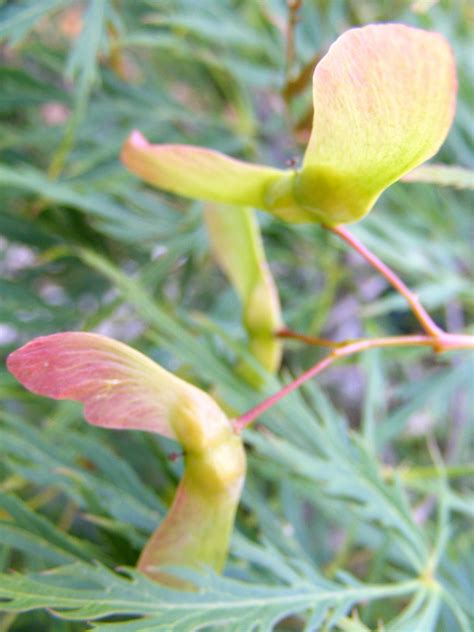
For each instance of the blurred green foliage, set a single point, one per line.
(358, 486)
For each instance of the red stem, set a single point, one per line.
(421, 314)
(444, 342)
(247, 418)
(310, 340)
(435, 337)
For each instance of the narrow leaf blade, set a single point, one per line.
(442, 175)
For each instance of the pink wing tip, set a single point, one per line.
(28, 366)
(16, 360)
(137, 140)
(11, 363)
(28, 363)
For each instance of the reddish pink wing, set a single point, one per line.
(119, 387)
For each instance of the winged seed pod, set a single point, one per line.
(237, 246)
(234, 235)
(121, 388)
(384, 99)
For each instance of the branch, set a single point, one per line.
(443, 342)
(293, 9)
(419, 311)
(434, 337)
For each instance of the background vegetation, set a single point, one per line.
(357, 504)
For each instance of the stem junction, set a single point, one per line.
(433, 337)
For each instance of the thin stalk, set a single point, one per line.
(434, 337)
(430, 472)
(247, 418)
(293, 9)
(443, 342)
(310, 340)
(419, 311)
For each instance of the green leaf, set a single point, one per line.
(16, 21)
(52, 459)
(29, 531)
(21, 89)
(83, 592)
(421, 614)
(442, 175)
(353, 476)
(83, 58)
